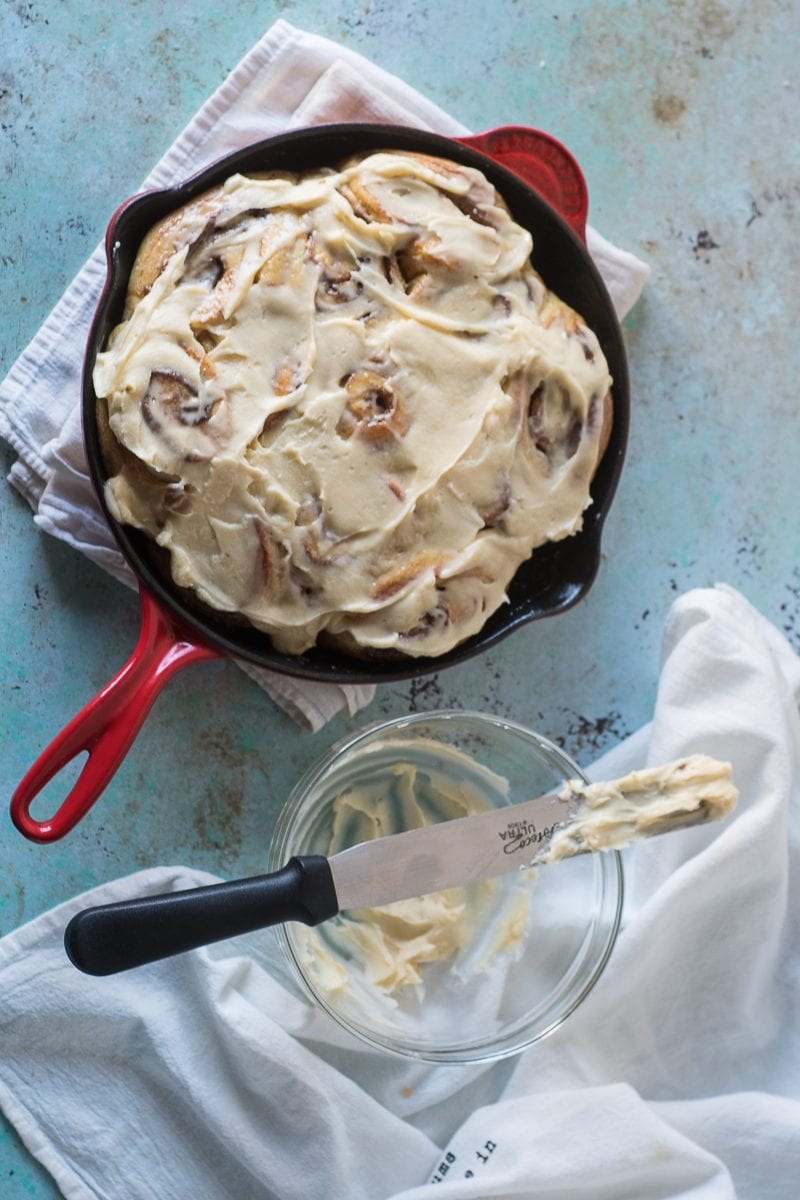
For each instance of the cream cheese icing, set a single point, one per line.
(609, 816)
(347, 405)
(390, 947)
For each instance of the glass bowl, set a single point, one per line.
(473, 974)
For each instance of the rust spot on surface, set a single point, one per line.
(668, 109)
(714, 19)
(219, 810)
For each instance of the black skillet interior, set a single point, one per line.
(556, 575)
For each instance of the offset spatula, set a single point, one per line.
(312, 888)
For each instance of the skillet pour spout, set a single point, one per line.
(546, 193)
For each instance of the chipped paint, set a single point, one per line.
(668, 109)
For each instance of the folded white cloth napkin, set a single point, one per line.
(289, 79)
(679, 1076)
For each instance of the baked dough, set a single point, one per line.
(346, 405)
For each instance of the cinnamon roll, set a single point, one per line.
(346, 405)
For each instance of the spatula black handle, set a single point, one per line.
(116, 937)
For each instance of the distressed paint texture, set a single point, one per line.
(683, 116)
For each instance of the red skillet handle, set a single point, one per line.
(544, 164)
(108, 724)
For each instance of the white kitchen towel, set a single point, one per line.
(289, 79)
(678, 1078)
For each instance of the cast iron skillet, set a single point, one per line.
(546, 193)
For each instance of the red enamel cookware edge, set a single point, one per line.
(106, 728)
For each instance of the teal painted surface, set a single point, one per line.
(683, 117)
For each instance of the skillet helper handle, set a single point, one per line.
(130, 933)
(108, 725)
(544, 164)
